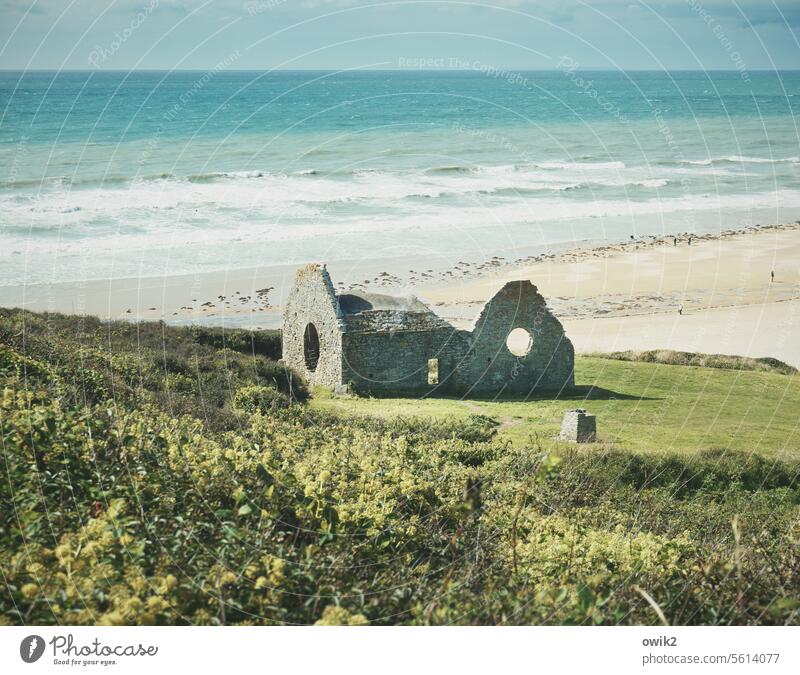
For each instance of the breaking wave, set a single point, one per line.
(740, 159)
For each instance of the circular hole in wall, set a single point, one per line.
(519, 342)
(311, 347)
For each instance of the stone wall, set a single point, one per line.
(313, 300)
(398, 360)
(491, 367)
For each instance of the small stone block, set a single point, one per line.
(578, 426)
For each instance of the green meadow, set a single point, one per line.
(644, 407)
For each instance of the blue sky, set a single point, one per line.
(332, 34)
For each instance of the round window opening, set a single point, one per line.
(311, 347)
(519, 342)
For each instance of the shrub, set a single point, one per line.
(257, 399)
(184, 370)
(678, 358)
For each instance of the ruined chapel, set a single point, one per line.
(372, 342)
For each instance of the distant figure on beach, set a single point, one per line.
(674, 241)
(690, 241)
(680, 310)
(771, 276)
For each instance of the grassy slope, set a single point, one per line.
(641, 406)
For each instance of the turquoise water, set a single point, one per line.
(149, 173)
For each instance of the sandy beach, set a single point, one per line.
(609, 297)
(629, 297)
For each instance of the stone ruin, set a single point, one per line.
(578, 426)
(381, 343)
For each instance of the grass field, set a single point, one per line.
(639, 406)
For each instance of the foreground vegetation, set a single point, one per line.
(171, 476)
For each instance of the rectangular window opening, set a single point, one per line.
(433, 371)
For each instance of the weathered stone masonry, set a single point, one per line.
(385, 343)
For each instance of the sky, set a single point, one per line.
(345, 34)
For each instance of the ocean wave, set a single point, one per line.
(216, 239)
(448, 170)
(543, 171)
(741, 159)
(510, 168)
(221, 175)
(289, 196)
(24, 184)
(155, 243)
(651, 183)
(475, 169)
(533, 189)
(57, 182)
(591, 166)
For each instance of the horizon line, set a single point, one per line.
(398, 70)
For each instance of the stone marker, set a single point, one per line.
(579, 426)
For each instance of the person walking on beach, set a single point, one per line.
(771, 276)
(690, 241)
(680, 310)
(674, 241)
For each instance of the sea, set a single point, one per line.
(145, 174)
